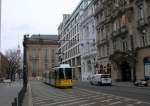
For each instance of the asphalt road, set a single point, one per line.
(140, 93)
(83, 94)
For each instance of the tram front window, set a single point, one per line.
(61, 74)
(68, 73)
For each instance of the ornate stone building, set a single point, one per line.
(123, 40)
(142, 38)
(40, 54)
(87, 40)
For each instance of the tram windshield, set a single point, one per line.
(61, 74)
(65, 73)
(68, 73)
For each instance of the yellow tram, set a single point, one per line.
(60, 76)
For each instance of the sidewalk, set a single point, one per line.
(125, 84)
(128, 84)
(8, 91)
(28, 97)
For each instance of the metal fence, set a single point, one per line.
(19, 100)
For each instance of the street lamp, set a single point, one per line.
(25, 71)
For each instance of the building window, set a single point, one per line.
(114, 44)
(89, 65)
(116, 2)
(103, 16)
(140, 11)
(124, 45)
(144, 40)
(46, 67)
(148, 7)
(45, 53)
(34, 53)
(102, 34)
(34, 68)
(107, 50)
(114, 26)
(124, 20)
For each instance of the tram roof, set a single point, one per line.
(63, 66)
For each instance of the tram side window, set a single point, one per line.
(52, 75)
(68, 73)
(61, 74)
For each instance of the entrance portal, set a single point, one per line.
(125, 71)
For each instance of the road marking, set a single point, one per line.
(74, 102)
(111, 94)
(127, 100)
(98, 98)
(107, 100)
(93, 96)
(139, 102)
(55, 100)
(63, 102)
(88, 90)
(114, 103)
(37, 98)
(88, 104)
(130, 105)
(43, 99)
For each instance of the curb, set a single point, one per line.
(27, 101)
(30, 95)
(131, 86)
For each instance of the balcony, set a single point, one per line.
(98, 9)
(102, 42)
(143, 22)
(129, 7)
(121, 32)
(115, 33)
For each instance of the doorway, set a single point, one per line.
(125, 71)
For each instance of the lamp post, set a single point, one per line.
(25, 71)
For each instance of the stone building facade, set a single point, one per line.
(123, 40)
(87, 40)
(41, 54)
(69, 39)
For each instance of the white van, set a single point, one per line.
(101, 79)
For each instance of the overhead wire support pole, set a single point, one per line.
(25, 71)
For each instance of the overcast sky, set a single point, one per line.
(21, 17)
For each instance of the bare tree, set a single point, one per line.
(13, 63)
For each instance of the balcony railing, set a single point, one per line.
(143, 22)
(102, 42)
(98, 9)
(121, 32)
(123, 29)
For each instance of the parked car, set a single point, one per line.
(7, 80)
(101, 79)
(140, 83)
